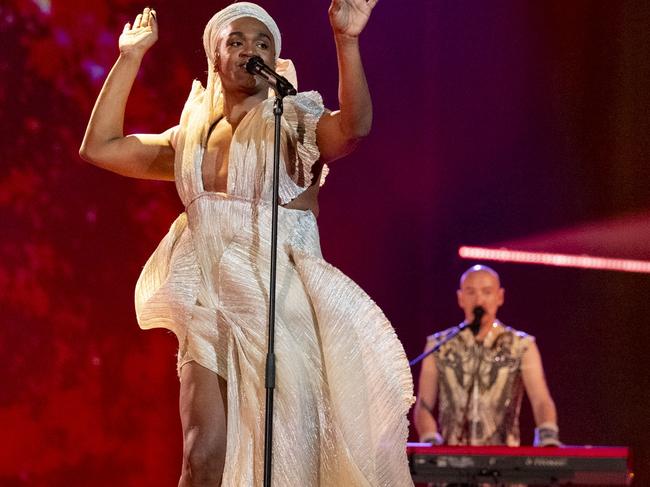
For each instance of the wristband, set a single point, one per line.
(547, 434)
(434, 438)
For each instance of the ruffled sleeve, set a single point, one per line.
(302, 113)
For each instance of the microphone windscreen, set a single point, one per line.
(476, 323)
(478, 313)
(254, 64)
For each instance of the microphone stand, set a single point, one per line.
(474, 326)
(282, 88)
(447, 338)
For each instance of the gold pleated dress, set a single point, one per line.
(343, 383)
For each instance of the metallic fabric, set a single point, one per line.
(343, 382)
(480, 386)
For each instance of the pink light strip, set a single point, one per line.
(559, 260)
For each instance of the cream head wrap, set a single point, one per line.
(231, 13)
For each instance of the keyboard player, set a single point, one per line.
(478, 377)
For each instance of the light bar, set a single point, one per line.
(558, 260)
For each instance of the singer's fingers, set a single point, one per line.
(145, 17)
(127, 27)
(153, 21)
(364, 4)
(137, 21)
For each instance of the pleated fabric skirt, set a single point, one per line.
(343, 385)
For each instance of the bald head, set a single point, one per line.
(479, 268)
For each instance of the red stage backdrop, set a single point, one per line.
(494, 121)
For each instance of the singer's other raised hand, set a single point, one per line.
(349, 17)
(138, 37)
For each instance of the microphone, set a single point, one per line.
(280, 84)
(475, 325)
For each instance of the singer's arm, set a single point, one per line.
(536, 388)
(425, 424)
(339, 132)
(147, 156)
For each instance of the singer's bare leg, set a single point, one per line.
(203, 408)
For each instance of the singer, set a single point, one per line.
(478, 376)
(343, 384)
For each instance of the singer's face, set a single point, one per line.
(480, 288)
(238, 42)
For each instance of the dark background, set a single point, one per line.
(494, 122)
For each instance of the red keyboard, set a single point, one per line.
(497, 465)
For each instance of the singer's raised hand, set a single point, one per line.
(349, 17)
(147, 156)
(140, 36)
